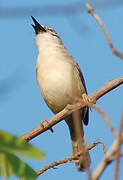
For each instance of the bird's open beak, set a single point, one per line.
(37, 27)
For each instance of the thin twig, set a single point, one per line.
(106, 160)
(47, 124)
(118, 150)
(69, 159)
(91, 11)
(104, 115)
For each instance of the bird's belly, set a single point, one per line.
(56, 85)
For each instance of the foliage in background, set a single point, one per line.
(10, 163)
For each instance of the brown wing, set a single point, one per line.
(86, 118)
(81, 76)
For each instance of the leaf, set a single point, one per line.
(13, 144)
(11, 164)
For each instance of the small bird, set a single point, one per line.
(61, 83)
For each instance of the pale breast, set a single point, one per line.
(57, 83)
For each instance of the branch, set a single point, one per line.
(104, 115)
(71, 158)
(118, 155)
(109, 157)
(47, 124)
(91, 11)
(105, 161)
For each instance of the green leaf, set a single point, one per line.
(13, 144)
(11, 164)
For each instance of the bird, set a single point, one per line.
(61, 83)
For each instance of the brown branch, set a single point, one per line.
(114, 51)
(118, 150)
(105, 161)
(114, 157)
(47, 124)
(104, 115)
(109, 157)
(69, 159)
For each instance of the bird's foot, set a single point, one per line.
(86, 98)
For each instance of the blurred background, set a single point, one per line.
(21, 105)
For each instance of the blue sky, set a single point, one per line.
(21, 105)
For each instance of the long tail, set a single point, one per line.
(78, 142)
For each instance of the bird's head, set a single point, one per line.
(46, 37)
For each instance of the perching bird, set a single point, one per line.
(61, 83)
